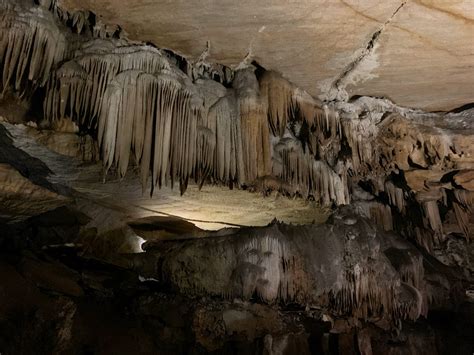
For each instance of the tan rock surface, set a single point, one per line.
(20, 198)
(422, 57)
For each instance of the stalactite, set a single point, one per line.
(70, 97)
(212, 93)
(97, 63)
(153, 117)
(360, 134)
(31, 45)
(463, 209)
(229, 163)
(254, 125)
(329, 185)
(307, 176)
(287, 103)
(431, 212)
(395, 195)
(279, 94)
(293, 166)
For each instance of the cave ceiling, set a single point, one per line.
(419, 54)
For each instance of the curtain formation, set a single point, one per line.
(176, 120)
(173, 125)
(31, 45)
(150, 113)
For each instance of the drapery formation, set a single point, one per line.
(346, 267)
(254, 125)
(78, 87)
(173, 125)
(178, 120)
(151, 117)
(177, 128)
(31, 44)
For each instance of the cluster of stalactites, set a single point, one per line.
(77, 88)
(360, 134)
(80, 21)
(254, 125)
(31, 45)
(234, 144)
(288, 104)
(463, 209)
(141, 104)
(279, 95)
(308, 177)
(220, 152)
(154, 118)
(462, 202)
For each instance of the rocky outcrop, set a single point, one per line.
(20, 198)
(344, 267)
(58, 298)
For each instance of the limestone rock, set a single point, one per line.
(407, 61)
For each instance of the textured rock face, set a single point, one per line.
(57, 298)
(345, 267)
(418, 53)
(75, 90)
(20, 198)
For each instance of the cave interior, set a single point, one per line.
(221, 177)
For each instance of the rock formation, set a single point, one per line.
(96, 131)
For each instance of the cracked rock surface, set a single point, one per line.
(421, 51)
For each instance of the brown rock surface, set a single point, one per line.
(21, 198)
